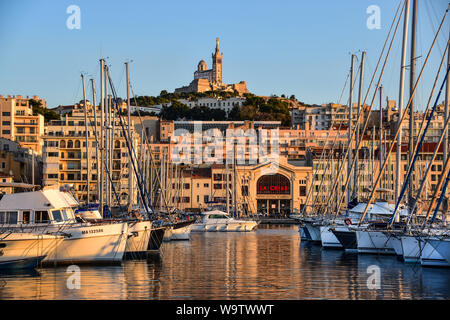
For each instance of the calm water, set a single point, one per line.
(270, 263)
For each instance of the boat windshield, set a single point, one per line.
(57, 215)
(217, 216)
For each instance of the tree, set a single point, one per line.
(47, 113)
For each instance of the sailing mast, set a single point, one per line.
(381, 155)
(96, 137)
(102, 123)
(400, 102)
(130, 174)
(411, 85)
(361, 76)
(87, 140)
(446, 130)
(350, 118)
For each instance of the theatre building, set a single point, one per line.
(262, 188)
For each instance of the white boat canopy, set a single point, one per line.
(379, 208)
(37, 200)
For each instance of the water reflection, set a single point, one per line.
(271, 263)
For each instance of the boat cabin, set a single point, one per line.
(37, 208)
(215, 214)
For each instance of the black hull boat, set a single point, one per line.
(182, 224)
(347, 239)
(156, 238)
(21, 264)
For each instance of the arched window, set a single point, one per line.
(273, 184)
(62, 144)
(70, 144)
(77, 144)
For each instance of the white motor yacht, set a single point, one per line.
(217, 221)
(51, 211)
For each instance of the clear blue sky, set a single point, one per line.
(278, 47)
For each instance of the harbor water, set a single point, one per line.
(271, 263)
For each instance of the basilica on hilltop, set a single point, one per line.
(211, 79)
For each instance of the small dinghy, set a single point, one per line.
(25, 263)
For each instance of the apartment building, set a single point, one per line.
(19, 124)
(22, 164)
(66, 161)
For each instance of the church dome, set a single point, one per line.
(201, 65)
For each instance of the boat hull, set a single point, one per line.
(18, 247)
(314, 231)
(138, 238)
(347, 238)
(374, 242)
(430, 257)
(241, 226)
(442, 247)
(102, 243)
(328, 238)
(156, 238)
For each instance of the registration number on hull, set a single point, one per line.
(90, 231)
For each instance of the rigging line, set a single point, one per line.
(107, 169)
(367, 94)
(416, 153)
(146, 140)
(131, 152)
(343, 89)
(433, 29)
(443, 192)
(323, 153)
(403, 117)
(370, 111)
(431, 95)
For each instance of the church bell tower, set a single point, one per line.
(217, 64)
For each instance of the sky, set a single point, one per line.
(279, 47)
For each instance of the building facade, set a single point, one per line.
(66, 161)
(18, 122)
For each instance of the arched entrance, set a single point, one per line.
(273, 195)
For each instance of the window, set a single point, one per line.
(57, 215)
(217, 216)
(25, 217)
(302, 191)
(10, 217)
(6, 123)
(6, 114)
(186, 186)
(6, 131)
(205, 198)
(206, 185)
(66, 217)
(41, 217)
(217, 186)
